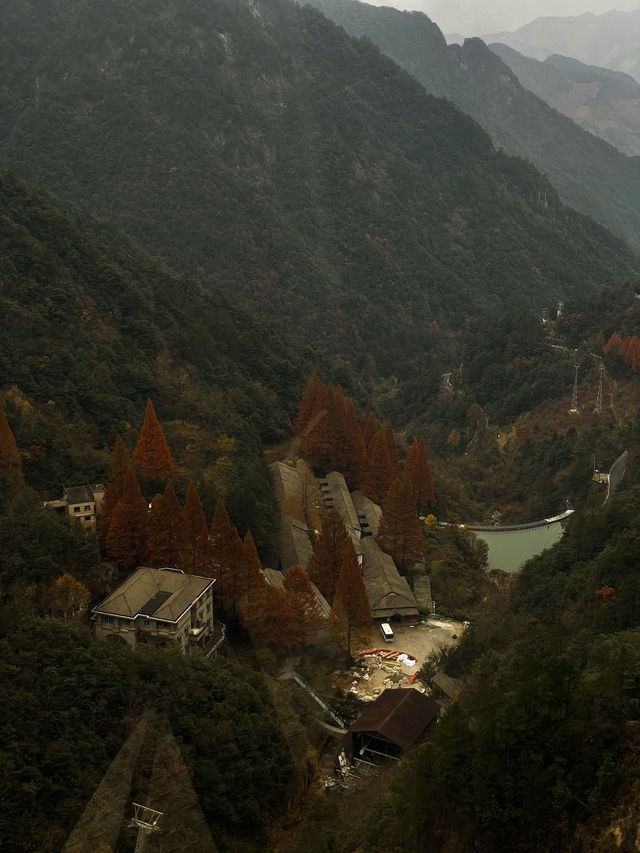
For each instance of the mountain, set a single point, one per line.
(590, 175)
(255, 145)
(611, 40)
(92, 326)
(604, 102)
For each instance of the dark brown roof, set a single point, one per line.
(400, 715)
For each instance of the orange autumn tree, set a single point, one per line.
(249, 585)
(332, 441)
(69, 596)
(378, 474)
(152, 454)
(303, 600)
(325, 562)
(126, 539)
(225, 553)
(351, 614)
(400, 533)
(165, 530)
(195, 544)
(273, 622)
(393, 448)
(368, 427)
(314, 400)
(10, 463)
(417, 472)
(113, 490)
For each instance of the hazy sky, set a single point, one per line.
(471, 17)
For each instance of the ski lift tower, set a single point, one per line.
(574, 397)
(145, 820)
(598, 408)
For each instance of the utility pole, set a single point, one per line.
(574, 398)
(145, 820)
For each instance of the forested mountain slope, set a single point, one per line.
(604, 102)
(92, 326)
(254, 142)
(589, 174)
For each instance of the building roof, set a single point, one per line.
(78, 494)
(400, 715)
(289, 491)
(446, 684)
(388, 592)
(162, 593)
(369, 512)
(336, 494)
(293, 545)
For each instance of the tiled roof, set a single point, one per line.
(165, 594)
(388, 592)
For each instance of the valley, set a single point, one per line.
(299, 304)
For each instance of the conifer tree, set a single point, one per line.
(10, 463)
(325, 562)
(273, 622)
(332, 441)
(113, 490)
(225, 553)
(351, 613)
(127, 531)
(194, 557)
(249, 585)
(400, 533)
(378, 473)
(314, 400)
(393, 448)
(152, 454)
(303, 600)
(165, 530)
(417, 472)
(369, 427)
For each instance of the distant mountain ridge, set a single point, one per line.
(256, 146)
(590, 175)
(610, 40)
(603, 102)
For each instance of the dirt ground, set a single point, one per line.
(374, 673)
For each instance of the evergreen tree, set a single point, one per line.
(314, 400)
(303, 600)
(378, 474)
(113, 490)
(165, 530)
(152, 454)
(195, 557)
(10, 463)
(400, 533)
(417, 472)
(127, 531)
(351, 613)
(325, 562)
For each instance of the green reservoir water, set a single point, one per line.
(509, 550)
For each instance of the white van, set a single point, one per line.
(387, 632)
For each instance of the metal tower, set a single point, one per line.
(574, 398)
(598, 408)
(145, 820)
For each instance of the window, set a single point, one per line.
(106, 620)
(87, 508)
(146, 622)
(87, 518)
(76, 509)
